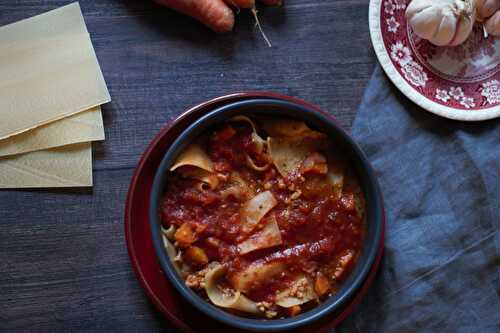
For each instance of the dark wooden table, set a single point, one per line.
(63, 260)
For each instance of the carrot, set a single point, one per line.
(217, 14)
(242, 3)
(196, 256)
(321, 285)
(213, 13)
(294, 310)
(272, 2)
(185, 236)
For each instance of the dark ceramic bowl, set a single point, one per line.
(374, 209)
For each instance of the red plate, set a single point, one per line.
(461, 82)
(138, 235)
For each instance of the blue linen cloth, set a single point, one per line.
(441, 185)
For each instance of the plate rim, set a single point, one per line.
(138, 271)
(382, 54)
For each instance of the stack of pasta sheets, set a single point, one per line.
(51, 89)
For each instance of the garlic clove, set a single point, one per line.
(492, 24)
(487, 8)
(426, 22)
(479, 8)
(416, 7)
(446, 31)
(464, 29)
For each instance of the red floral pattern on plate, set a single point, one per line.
(465, 77)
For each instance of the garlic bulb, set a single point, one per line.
(492, 24)
(488, 12)
(486, 8)
(443, 22)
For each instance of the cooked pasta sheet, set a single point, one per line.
(263, 217)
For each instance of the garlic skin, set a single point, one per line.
(443, 22)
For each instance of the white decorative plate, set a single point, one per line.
(461, 82)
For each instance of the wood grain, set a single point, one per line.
(63, 260)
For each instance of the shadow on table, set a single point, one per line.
(58, 190)
(100, 148)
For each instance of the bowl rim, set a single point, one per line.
(334, 302)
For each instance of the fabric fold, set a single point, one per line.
(441, 184)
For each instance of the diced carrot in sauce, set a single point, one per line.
(196, 256)
(343, 264)
(321, 285)
(185, 236)
(294, 310)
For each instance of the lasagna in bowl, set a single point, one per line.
(262, 217)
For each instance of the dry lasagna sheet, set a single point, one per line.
(48, 71)
(67, 166)
(61, 21)
(51, 87)
(82, 127)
